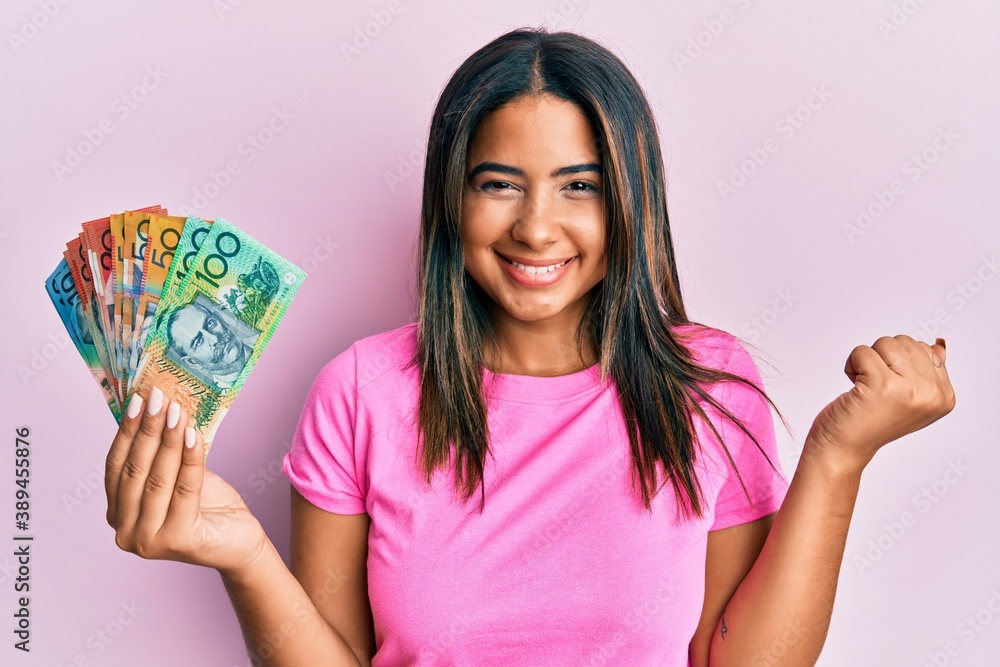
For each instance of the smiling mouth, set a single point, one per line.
(536, 270)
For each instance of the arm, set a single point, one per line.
(730, 553)
(164, 504)
(780, 613)
(281, 624)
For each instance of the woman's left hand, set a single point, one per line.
(900, 386)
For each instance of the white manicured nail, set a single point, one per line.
(155, 401)
(173, 414)
(189, 437)
(134, 406)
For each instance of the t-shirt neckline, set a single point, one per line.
(535, 388)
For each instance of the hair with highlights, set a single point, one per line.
(631, 312)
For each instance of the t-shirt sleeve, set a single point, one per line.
(765, 485)
(323, 463)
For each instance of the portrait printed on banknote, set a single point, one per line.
(209, 342)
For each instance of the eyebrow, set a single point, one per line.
(514, 171)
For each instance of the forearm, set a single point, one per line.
(281, 626)
(780, 614)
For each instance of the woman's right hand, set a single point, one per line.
(164, 504)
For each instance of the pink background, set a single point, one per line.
(771, 260)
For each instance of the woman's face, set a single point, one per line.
(534, 194)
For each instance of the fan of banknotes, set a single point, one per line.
(184, 304)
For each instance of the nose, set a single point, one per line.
(537, 224)
(210, 337)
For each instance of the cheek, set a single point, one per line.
(480, 227)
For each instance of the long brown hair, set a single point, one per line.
(630, 313)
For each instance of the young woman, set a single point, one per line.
(553, 465)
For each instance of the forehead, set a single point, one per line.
(540, 129)
(189, 319)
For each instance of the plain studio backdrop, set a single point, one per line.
(830, 170)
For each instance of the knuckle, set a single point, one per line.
(146, 543)
(111, 464)
(132, 469)
(184, 489)
(155, 483)
(128, 427)
(123, 541)
(149, 428)
(143, 549)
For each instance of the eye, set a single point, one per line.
(583, 186)
(196, 343)
(500, 185)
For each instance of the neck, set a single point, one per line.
(543, 348)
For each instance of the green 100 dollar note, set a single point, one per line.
(211, 327)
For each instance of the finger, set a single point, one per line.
(919, 352)
(895, 352)
(866, 366)
(139, 459)
(939, 355)
(185, 505)
(939, 349)
(159, 487)
(120, 447)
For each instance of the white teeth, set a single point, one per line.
(536, 269)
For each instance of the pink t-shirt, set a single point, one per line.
(564, 566)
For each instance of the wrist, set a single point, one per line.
(834, 461)
(259, 560)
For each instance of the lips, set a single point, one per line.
(537, 263)
(532, 276)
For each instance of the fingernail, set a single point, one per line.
(173, 414)
(189, 437)
(134, 406)
(155, 401)
(941, 342)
